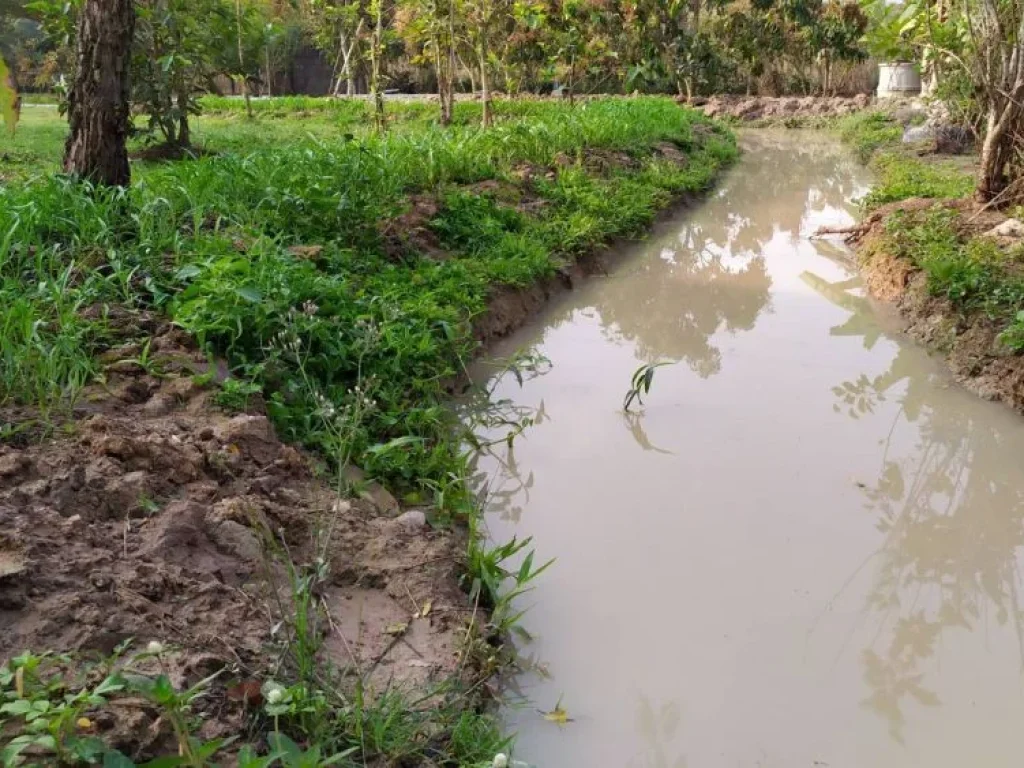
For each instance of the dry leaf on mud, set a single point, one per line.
(249, 692)
(398, 628)
(423, 612)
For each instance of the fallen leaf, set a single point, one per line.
(311, 252)
(558, 716)
(398, 628)
(427, 608)
(247, 691)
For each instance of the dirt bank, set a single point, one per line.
(968, 342)
(150, 520)
(791, 110)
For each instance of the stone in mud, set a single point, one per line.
(918, 134)
(252, 435)
(1011, 228)
(236, 539)
(1008, 234)
(12, 465)
(412, 521)
(372, 491)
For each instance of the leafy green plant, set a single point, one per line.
(640, 384)
(235, 394)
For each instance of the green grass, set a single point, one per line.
(975, 274)
(173, 245)
(900, 173)
(868, 131)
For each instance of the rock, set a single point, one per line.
(1007, 234)
(909, 114)
(13, 464)
(252, 435)
(372, 491)
(238, 540)
(11, 564)
(918, 134)
(413, 520)
(1009, 228)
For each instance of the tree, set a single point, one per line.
(836, 34)
(98, 105)
(481, 18)
(428, 29)
(377, 52)
(995, 56)
(338, 28)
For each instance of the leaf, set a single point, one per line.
(398, 442)
(558, 716)
(398, 628)
(249, 294)
(112, 684)
(114, 759)
(10, 102)
(426, 609)
(188, 271)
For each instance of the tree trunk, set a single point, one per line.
(99, 102)
(270, 73)
(995, 153)
(241, 62)
(485, 91)
(379, 119)
(184, 133)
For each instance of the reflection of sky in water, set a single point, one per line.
(804, 550)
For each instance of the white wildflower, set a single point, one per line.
(500, 761)
(274, 696)
(155, 647)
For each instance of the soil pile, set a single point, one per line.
(149, 517)
(783, 108)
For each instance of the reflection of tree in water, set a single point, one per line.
(952, 514)
(711, 275)
(658, 728)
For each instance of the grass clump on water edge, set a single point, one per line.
(340, 277)
(900, 173)
(974, 273)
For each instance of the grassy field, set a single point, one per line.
(339, 274)
(212, 242)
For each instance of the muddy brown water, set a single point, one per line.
(803, 551)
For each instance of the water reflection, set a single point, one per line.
(658, 727)
(950, 507)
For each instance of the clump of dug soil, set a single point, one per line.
(780, 109)
(148, 517)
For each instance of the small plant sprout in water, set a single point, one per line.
(640, 384)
